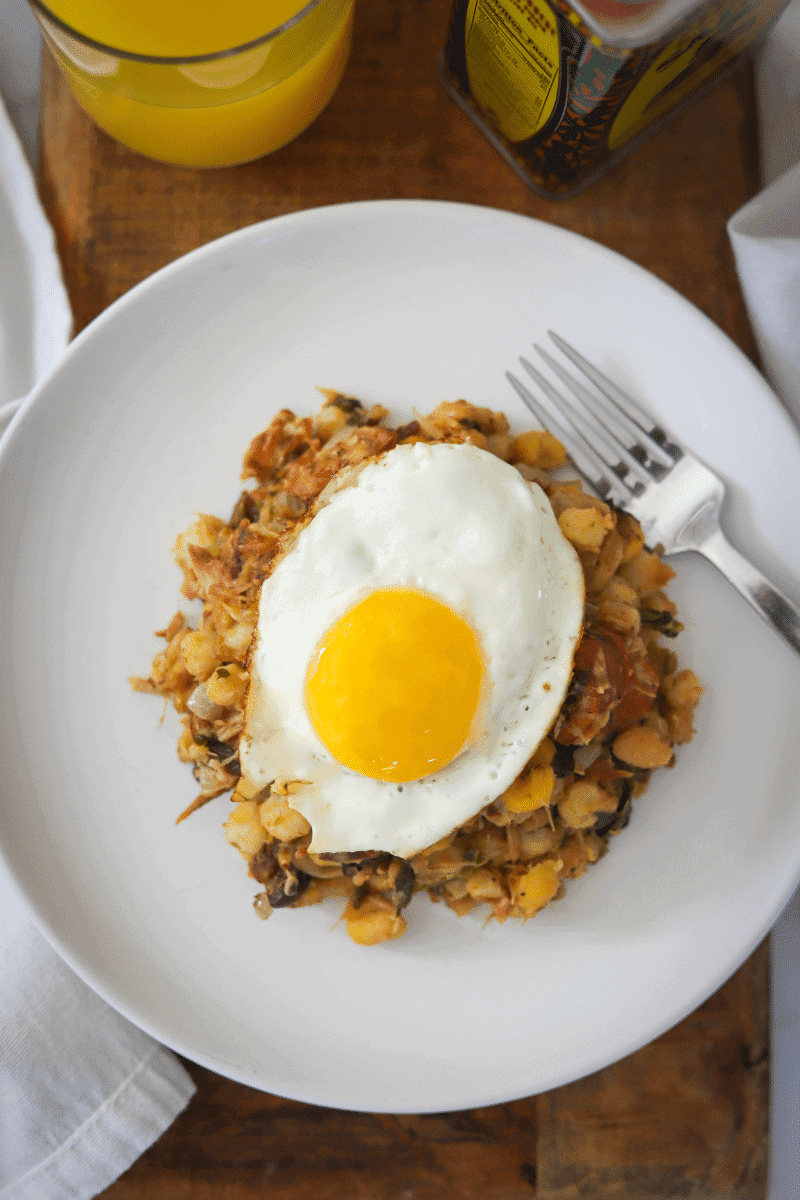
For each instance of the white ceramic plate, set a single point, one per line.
(145, 422)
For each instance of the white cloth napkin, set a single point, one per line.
(35, 317)
(20, 68)
(765, 236)
(82, 1091)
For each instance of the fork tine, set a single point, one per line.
(631, 406)
(641, 425)
(583, 455)
(618, 455)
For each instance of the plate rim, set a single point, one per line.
(135, 293)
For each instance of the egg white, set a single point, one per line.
(464, 526)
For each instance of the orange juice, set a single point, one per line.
(200, 82)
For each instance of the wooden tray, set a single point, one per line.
(687, 1115)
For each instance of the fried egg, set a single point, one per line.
(414, 645)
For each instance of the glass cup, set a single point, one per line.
(215, 109)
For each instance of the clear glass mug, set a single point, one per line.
(214, 109)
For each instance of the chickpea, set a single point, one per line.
(643, 747)
(243, 829)
(582, 802)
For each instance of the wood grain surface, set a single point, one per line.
(685, 1116)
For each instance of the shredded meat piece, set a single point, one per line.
(613, 674)
(285, 438)
(248, 551)
(311, 472)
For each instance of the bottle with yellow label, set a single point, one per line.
(564, 88)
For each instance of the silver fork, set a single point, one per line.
(633, 462)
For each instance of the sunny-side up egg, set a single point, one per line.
(413, 647)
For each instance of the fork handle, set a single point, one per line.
(766, 599)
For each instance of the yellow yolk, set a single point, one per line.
(393, 687)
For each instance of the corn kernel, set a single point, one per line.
(537, 886)
(369, 928)
(532, 789)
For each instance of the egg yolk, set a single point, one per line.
(393, 687)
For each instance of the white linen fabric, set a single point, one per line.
(82, 1091)
(35, 317)
(20, 62)
(765, 234)
(784, 1100)
(778, 91)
